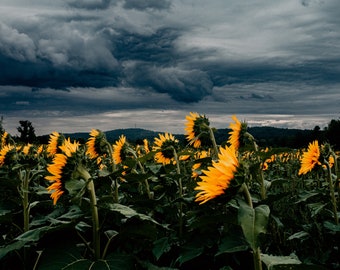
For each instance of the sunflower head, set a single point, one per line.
(56, 140)
(238, 130)
(217, 178)
(142, 147)
(7, 154)
(310, 158)
(5, 139)
(62, 168)
(119, 150)
(96, 144)
(27, 149)
(146, 146)
(197, 130)
(165, 145)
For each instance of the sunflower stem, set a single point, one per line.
(213, 140)
(25, 203)
(256, 251)
(109, 147)
(94, 210)
(262, 183)
(147, 187)
(257, 259)
(114, 167)
(247, 195)
(332, 193)
(180, 189)
(337, 171)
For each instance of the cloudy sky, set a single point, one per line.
(74, 65)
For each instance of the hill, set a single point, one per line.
(265, 136)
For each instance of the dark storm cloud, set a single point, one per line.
(42, 74)
(89, 4)
(181, 85)
(147, 4)
(210, 56)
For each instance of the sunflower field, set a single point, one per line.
(164, 205)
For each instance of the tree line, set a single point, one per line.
(266, 136)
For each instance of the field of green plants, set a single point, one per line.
(167, 205)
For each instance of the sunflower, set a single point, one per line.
(95, 143)
(146, 146)
(196, 168)
(118, 150)
(218, 176)
(58, 170)
(197, 129)
(26, 149)
(235, 133)
(165, 146)
(54, 142)
(4, 139)
(310, 158)
(4, 154)
(143, 149)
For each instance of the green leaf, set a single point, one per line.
(189, 252)
(161, 246)
(33, 235)
(154, 168)
(304, 196)
(73, 213)
(4, 212)
(302, 235)
(232, 242)
(129, 212)
(253, 222)
(278, 262)
(150, 266)
(277, 221)
(66, 257)
(118, 261)
(331, 226)
(82, 226)
(316, 207)
(11, 247)
(74, 185)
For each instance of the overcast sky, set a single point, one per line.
(74, 65)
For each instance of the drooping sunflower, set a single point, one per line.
(197, 129)
(165, 145)
(5, 154)
(54, 142)
(59, 170)
(216, 178)
(119, 150)
(196, 168)
(4, 139)
(143, 149)
(95, 143)
(310, 158)
(235, 133)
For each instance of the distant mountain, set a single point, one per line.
(265, 136)
(132, 135)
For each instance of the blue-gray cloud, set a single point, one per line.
(147, 4)
(188, 53)
(89, 4)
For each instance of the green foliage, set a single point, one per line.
(253, 222)
(167, 230)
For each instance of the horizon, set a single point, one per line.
(283, 122)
